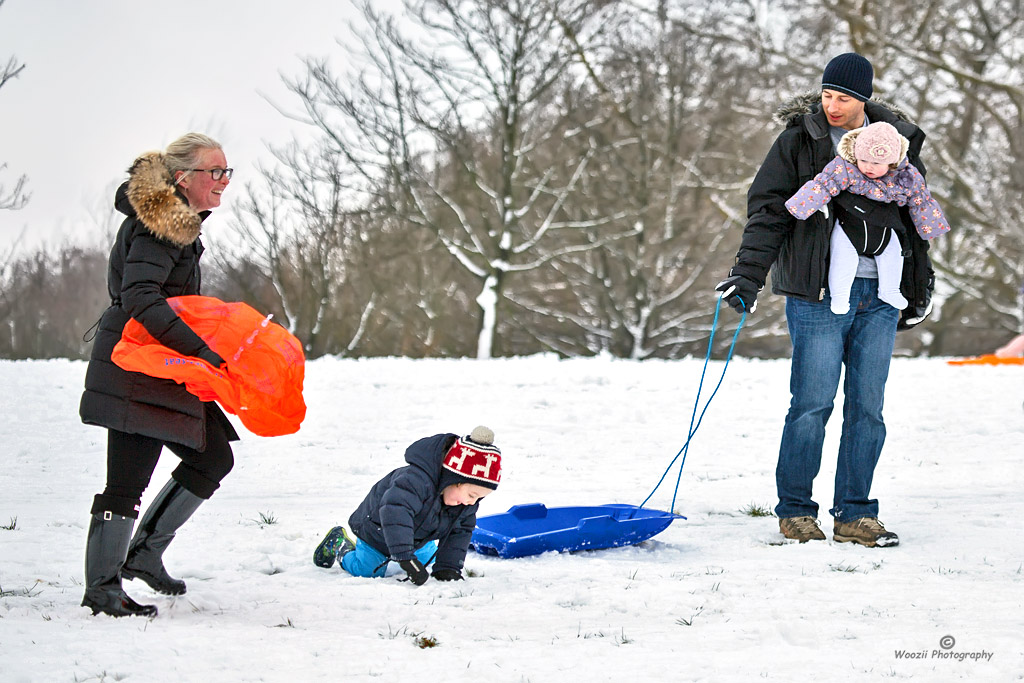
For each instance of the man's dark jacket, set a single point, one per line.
(404, 510)
(797, 252)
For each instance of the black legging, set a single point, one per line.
(131, 459)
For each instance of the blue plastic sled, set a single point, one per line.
(533, 529)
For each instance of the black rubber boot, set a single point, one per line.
(172, 508)
(104, 554)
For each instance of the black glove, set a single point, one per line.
(914, 315)
(416, 571)
(211, 357)
(445, 574)
(740, 292)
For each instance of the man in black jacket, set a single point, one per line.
(796, 252)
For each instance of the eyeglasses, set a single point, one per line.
(215, 173)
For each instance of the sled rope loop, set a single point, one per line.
(693, 428)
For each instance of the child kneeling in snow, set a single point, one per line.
(423, 512)
(871, 162)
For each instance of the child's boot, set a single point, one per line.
(335, 544)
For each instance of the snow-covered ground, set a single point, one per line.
(718, 597)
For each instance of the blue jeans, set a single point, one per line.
(366, 561)
(823, 342)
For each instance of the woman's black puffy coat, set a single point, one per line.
(404, 510)
(155, 256)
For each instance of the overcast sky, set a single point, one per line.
(106, 80)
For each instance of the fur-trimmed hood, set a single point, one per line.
(151, 196)
(809, 102)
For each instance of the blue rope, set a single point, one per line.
(693, 429)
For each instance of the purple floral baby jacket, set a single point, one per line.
(905, 185)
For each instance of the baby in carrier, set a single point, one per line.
(872, 163)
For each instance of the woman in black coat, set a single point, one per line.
(155, 256)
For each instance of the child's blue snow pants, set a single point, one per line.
(366, 561)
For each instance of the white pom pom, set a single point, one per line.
(482, 435)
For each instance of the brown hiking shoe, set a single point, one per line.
(866, 531)
(801, 529)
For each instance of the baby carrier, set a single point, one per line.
(869, 224)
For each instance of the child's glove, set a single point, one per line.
(447, 574)
(416, 571)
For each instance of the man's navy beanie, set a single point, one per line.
(849, 73)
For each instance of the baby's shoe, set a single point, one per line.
(894, 299)
(840, 307)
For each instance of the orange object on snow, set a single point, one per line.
(987, 359)
(265, 364)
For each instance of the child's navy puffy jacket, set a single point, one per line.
(404, 510)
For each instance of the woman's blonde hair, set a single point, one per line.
(183, 153)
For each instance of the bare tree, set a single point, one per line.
(669, 107)
(508, 177)
(293, 258)
(443, 126)
(49, 300)
(15, 197)
(956, 66)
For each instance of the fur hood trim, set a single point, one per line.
(795, 107)
(846, 145)
(157, 204)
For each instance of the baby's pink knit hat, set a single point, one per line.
(880, 143)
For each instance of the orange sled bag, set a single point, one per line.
(262, 383)
(987, 359)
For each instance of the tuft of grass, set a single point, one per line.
(755, 510)
(945, 571)
(102, 677)
(286, 624)
(622, 639)
(266, 519)
(472, 574)
(424, 642)
(682, 621)
(849, 569)
(10, 526)
(588, 635)
(30, 592)
(392, 633)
